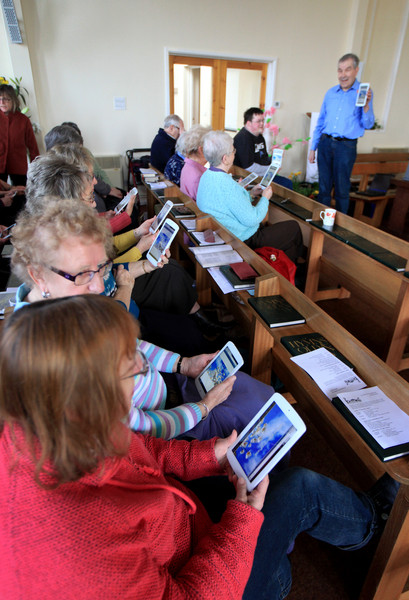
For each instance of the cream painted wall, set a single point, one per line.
(83, 53)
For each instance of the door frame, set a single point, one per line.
(220, 63)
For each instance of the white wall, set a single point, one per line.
(83, 53)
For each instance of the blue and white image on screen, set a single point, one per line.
(267, 436)
(218, 370)
(161, 242)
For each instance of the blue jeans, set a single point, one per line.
(301, 500)
(335, 161)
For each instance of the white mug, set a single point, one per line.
(328, 217)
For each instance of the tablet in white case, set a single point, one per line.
(266, 439)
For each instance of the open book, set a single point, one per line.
(215, 256)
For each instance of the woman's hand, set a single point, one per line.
(254, 498)
(7, 199)
(143, 229)
(109, 214)
(130, 205)
(116, 193)
(193, 366)
(146, 242)
(164, 259)
(268, 192)
(219, 393)
(220, 449)
(123, 277)
(256, 191)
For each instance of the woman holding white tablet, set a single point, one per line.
(90, 510)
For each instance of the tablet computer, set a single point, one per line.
(247, 180)
(162, 242)
(224, 364)
(266, 439)
(125, 201)
(163, 213)
(269, 175)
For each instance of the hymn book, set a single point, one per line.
(276, 311)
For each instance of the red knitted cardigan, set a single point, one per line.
(17, 137)
(131, 531)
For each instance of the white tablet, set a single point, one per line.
(247, 180)
(265, 440)
(224, 364)
(125, 201)
(362, 94)
(162, 242)
(269, 175)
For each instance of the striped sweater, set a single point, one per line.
(148, 414)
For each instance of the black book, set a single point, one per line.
(384, 454)
(307, 342)
(182, 212)
(276, 311)
(236, 282)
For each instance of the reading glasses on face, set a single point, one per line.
(84, 277)
(145, 365)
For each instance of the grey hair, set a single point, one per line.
(172, 120)
(348, 56)
(37, 236)
(180, 144)
(50, 175)
(62, 134)
(74, 154)
(215, 145)
(193, 138)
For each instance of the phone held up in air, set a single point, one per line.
(161, 216)
(125, 201)
(223, 365)
(362, 94)
(162, 242)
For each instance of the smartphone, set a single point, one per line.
(266, 439)
(362, 94)
(269, 176)
(247, 180)
(124, 202)
(163, 213)
(6, 233)
(162, 242)
(224, 364)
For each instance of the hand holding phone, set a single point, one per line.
(247, 180)
(5, 232)
(124, 202)
(165, 237)
(362, 94)
(163, 213)
(226, 362)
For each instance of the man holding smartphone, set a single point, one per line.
(340, 124)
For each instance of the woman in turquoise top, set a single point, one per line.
(223, 198)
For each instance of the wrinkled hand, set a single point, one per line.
(130, 205)
(7, 199)
(146, 242)
(219, 393)
(311, 156)
(109, 214)
(19, 189)
(143, 229)
(268, 192)
(192, 366)
(123, 277)
(221, 446)
(254, 498)
(256, 191)
(164, 259)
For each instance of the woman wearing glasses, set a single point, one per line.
(64, 251)
(90, 510)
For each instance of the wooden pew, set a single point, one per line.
(365, 167)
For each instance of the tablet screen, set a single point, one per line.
(269, 175)
(267, 436)
(218, 370)
(161, 242)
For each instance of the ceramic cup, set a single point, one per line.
(328, 217)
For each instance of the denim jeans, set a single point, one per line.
(301, 500)
(335, 161)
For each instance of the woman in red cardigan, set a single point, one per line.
(16, 138)
(89, 509)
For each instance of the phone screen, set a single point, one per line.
(160, 217)
(218, 370)
(267, 436)
(269, 176)
(161, 242)
(363, 90)
(248, 179)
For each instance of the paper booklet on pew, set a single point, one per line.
(306, 342)
(330, 374)
(216, 256)
(199, 236)
(378, 420)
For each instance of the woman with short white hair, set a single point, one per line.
(194, 160)
(223, 198)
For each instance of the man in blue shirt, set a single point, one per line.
(339, 125)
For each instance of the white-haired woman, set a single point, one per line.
(219, 195)
(194, 161)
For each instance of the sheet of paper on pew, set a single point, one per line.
(147, 171)
(189, 224)
(330, 374)
(159, 185)
(199, 236)
(377, 419)
(216, 256)
(224, 285)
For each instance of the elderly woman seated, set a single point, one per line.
(175, 164)
(219, 195)
(195, 160)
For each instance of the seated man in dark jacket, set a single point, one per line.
(163, 146)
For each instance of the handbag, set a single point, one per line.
(279, 261)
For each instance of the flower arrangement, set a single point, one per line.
(306, 189)
(285, 143)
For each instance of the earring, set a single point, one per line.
(46, 295)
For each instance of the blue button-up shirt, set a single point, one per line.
(340, 117)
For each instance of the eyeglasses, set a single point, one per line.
(5, 99)
(84, 277)
(145, 365)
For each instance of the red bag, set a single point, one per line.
(279, 261)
